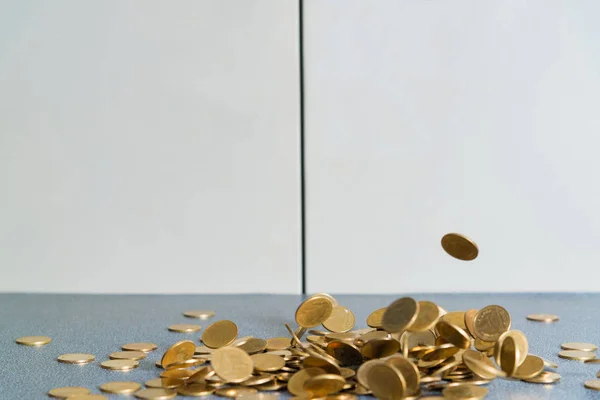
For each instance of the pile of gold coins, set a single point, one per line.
(410, 348)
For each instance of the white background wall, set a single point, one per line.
(428, 117)
(149, 146)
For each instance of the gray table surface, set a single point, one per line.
(100, 324)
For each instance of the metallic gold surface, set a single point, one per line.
(219, 334)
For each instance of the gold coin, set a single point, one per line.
(520, 341)
(375, 319)
(87, 397)
(593, 384)
(409, 371)
(234, 392)
(269, 386)
(34, 340)
(426, 317)
(266, 362)
(203, 350)
(219, 334)
(196, 390)
(579, 346)
(400, 315)
(362, 374)
(120, 387)
(181, 374)
(259, 379)
(491, 322)
(346, 373)
(254, 345)
(154, 383)
(545, 377)
(344, 352)
(185, 328)
(530, 368)
(576, 355)
(142, 346)
(543, 317)
(314, 311)
(120, 365)
(76, 358)
(465, 392)
(192, 362)
(459, 246)
(469, 320)
(323, 361)
(323, 385)
(386, 382)
(340, 320)
(453, 334)
(455, 318)
(379, 348)
(155, 394)
(480, 365)
(482, 345)
(442, 352)
(550, 364)
(127, 355)
(178, 352)
(279, 343)
(200, 374)
(64, 392)
(232, 364)
(592, 361)
(200, 314)
(510, 354)
(296, 382)
(414, 339)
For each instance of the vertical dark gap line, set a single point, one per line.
(302, 161)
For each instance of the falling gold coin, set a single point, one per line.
(593, 384)
(119, 365)
(386, 382)
(340, 320)
(543, 317)
(178, 352)
(266, 362)
(296, 382)
(185, 328)
(576, 355)
(400, 315)
(232, 364)
(460, 247)
(491, 322)
(142, 346)
(76, 358)
(219, 334)
(314, 311)
(155, 394)
(375, 319)
(64, 392)
(324, 385)
(127, 355)
(120, 387)
(34, 340)
(199, 314)
(579, 346)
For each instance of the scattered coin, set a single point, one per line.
(386, 382)
(531, 367)
(189, 363)
(143, 346)
(543, 317)
(219, 334)
(340, 320)
(278, 343)
(491, 322)
(180, 351)
(235, 392)
(400, 315)
(87, 397)
(576, 355)
(591, 361)
(314, 311)
(460, 247)
(375, 319)
(67, 391)
(155, 394)
(266, 362)
(120, 365)
(120, 387)
(296, 382)
(464, 392)
(185, 328)
(426, 318)
(545, 377)
(127, 355)
(199, 314)
(232, 364)
(593, 384)
(579, 346)
(196, 389)
(76, 358)
(324, 385)
(34, 340)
